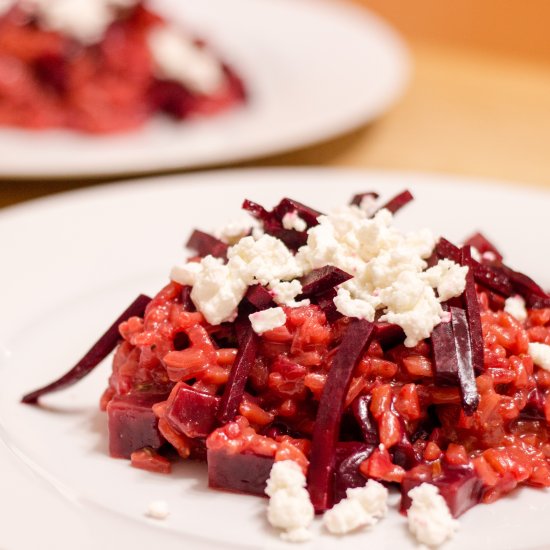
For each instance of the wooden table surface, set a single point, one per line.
(471, 111)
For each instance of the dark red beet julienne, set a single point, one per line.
(465, 409)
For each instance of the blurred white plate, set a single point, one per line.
(71, 263)
(314, 69)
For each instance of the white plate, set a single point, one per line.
(314, 69)
(71, 263)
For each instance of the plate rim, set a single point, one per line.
(217, 176)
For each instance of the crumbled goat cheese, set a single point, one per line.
(285, 293)
(265, 260)
(158, 509)
(412, 305)
(373, 498)
(388, 266)
(448, 278)
(289, 507)
(267, 319)
(362, 507)
(235, 230)
(515, 306)
(540, 354)
(187, 274)
(369, 205)
(291, 220)
(346, 516)
(346, 305)
(84, 20)
(218, 290)
(430, 520)
(177, 57)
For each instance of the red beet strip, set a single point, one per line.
(464, 354)
(523, 285)
(325, 300)
(331, 407)
(398, 202)
(356, 200)
(471, 306)
(484, 275)
(234, 389)
(444, 354)
(205, 244)
(272, 221)
(257, 210)
(101, 349)
(322, 279)
(483, 244)
(308, 214)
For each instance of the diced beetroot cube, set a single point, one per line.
(205, 244)
(258, 298)
(132, 424)
(191, 412)
(349, 456)
(238, 472)
(459, 486)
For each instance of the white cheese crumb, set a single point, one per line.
(291, 220)
(285, 292)
(362, 507)
(289, 507)
(346, 516)
(267, 319)
(369, 205)
(515, 306)
(158, 509)
(429, 517)
(346, 305)
(284, 474)
(373, 497)
(177, 57)
(388, 268)
(448, 277)
(235, 230)
(218, 291)
(412, 305)
(540, 354)
(186, 274)
(264, 260)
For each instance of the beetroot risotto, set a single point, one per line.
(103, 66)
(340, 350)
